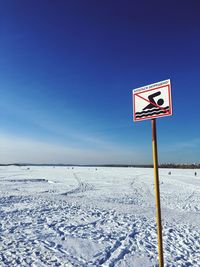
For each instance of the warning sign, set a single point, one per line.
(152, 101)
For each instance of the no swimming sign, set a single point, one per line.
(152, 101)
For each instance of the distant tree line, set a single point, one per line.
(163, 165)
(180, 166)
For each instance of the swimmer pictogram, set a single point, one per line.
(153, 103)
(150, 102)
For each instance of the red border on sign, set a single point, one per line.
(167, 113)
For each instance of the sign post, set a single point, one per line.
(157, 193)
(151, 102)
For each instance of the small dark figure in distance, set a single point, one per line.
(169, 173)
(195, 174)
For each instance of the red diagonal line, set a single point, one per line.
(155, 105)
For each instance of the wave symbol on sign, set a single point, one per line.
(152, 111)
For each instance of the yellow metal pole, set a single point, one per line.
(157, 194)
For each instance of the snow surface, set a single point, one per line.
(87, 216)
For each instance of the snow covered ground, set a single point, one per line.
(87, 216)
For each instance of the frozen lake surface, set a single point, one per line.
(87, 216)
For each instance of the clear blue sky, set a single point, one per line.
(67, 70)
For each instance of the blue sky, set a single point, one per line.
(67, 70)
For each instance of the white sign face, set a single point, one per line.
(152, 101)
